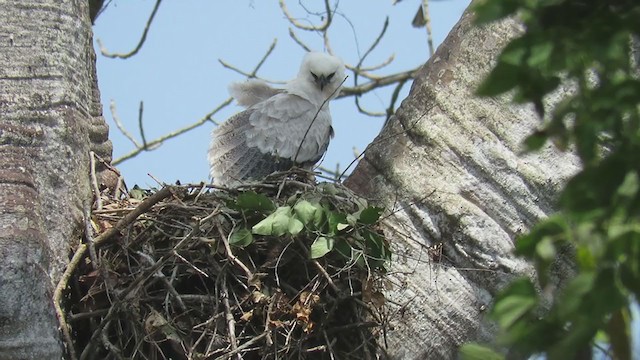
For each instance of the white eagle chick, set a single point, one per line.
(280, 127)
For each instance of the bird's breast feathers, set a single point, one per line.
(281, 123)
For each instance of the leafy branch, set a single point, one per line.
(587, 45)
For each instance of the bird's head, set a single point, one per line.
(324, 71)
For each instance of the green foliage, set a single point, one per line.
(586, 44)
(351, 235)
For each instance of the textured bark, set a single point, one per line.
(49, 116)
(450, 167)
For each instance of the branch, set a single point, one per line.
(378, 82)
(322, 27)
(157, 142)
(143, 38)
(151, 145)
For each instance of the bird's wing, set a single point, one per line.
(232, 160)
(267, 137)
(280, 124)
(251, 92)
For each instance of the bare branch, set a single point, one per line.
(119, 125)
(427, 22)
(144, 139)
(157, 142)
(322, 27)
(147, 146)
(378, 82)
(252, 74)
(298, 41)
(143, 38)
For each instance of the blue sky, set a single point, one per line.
(179, 78)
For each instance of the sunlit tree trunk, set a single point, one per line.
(449, 167)
(49, 116)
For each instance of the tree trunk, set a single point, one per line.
(50, 118)
(449, 167)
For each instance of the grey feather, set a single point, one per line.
(281, 127)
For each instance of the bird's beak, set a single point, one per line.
(322, 81)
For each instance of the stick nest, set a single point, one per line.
(277, 270)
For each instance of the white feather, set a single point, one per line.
(281, 127)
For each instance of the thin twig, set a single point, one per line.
(143, 38)
(94, 180)
(231, 323)
(427, 21)
(208, 117)
(322, 27)
(298, 41)
(141, 127)
(119, 125)
(230, 256)
(157, 142)
(295, 158)
(377, 83)
(80, 253)
(253, 73)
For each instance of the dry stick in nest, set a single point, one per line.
(82, 249)
(136, 282)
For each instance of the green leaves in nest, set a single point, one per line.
(280, 222)
(350, 236)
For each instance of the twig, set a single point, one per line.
(427, 21)
(208, 117)
(230, 256)
(79, 255)
(140, 127)
(378, 82)
(94, 181)
(243, 346)
(231, 323)
(253, 73)
(295, 158)
(157, 142)
(322, 27)
(329, 345)
(119, 125)
(143, 38)
(298, 41)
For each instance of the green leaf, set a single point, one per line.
(275, 224)
(250, 200)
(334, 219)
(473, 351)
(574, 293)
(545, 249)
(502, 78)
(308, 213)
(343, 248)
(241, 237)
(517, 300)
(295, 226)
(491, 10)
(370, 215)
(540, 52)
(321, 247)
(553, 227)
(341, 226)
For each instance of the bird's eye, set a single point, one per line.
(315, 77)
(330, 76)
